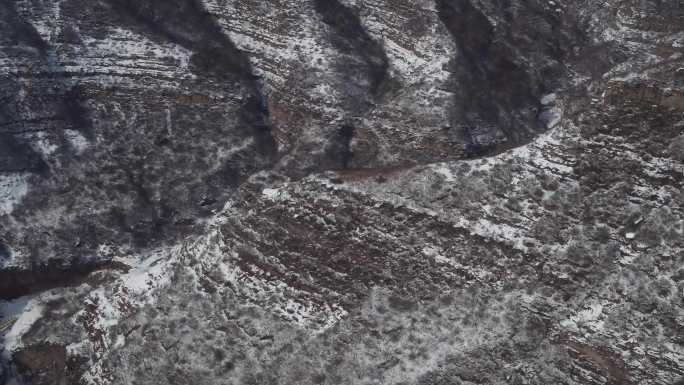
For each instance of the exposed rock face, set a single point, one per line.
(343, 191)
(130, 121)
(129, 131)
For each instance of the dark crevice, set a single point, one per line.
(339, 148)
(16, 155)
(4, 251)
(351, 38)
(76, 114)
(255, 113)
(64, 106)
(15, 283)
(16, 152)
(188, 24)
(364, 65)
(492, 89)
(473, 147)
(17, 31)
(122, 172)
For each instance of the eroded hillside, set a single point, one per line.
(335, 192)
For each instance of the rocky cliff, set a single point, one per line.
(342, 191)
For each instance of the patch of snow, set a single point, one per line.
(224, 154)
(551, 117)
(13, 188)
(499, 231)
(140, 286)
(588, 316)
(120, 341)
(108, 315)
(151, 273)
(436, 253)
(432, 251)
(548, 99)
(76, 140)
(30, 313)
(13, 308)
(445, 171)
(274, 194)
(41, 143)
(123, 50)
(627, 77)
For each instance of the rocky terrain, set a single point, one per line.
(342, 192)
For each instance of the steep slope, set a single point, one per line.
(151, 131)
(249, 192)
(128, 122)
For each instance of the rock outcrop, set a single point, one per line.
(332, 192)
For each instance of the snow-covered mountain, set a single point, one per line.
(342, 192)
